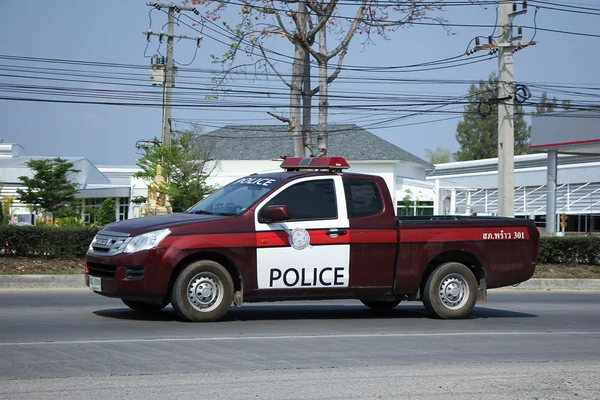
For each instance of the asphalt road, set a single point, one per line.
(520, 345)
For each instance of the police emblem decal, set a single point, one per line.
(299, 238)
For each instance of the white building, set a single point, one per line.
(473, 185)
(94, 185)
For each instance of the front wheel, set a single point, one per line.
(380, 305)
(144, 308)
(202, 292)
(450, 291)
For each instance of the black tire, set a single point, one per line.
(202, 292)
(144, 308)
(380, 305)
(450, 291)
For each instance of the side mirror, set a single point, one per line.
(276, 214)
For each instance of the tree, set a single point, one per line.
(264, 19)
(106, 213)
(410, 205)
(2, 218)
(185, 165)
(407, 204)
(50, 189)
(477, 133)
(440, 155)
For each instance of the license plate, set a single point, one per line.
(96, 283)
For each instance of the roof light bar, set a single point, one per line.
(308, 163)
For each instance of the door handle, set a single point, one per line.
(334, 232)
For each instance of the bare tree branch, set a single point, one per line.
(335, 74)
(282, 119)
(266, 59)
(226, 72)
(288, 35)
(355, 23)
(323, 18)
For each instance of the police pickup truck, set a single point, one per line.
(308, 232)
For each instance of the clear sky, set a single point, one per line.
(110, 31)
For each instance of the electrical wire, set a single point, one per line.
(564, 5)
(534, 24)
(190, 63)
(149, 28)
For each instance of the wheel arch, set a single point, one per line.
(215, 256)
(463, 257)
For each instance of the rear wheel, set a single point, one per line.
(380, 305)
(144, 308)
(202, 292)
(450, 291)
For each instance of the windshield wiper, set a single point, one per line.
(202, 212)
(226, 213)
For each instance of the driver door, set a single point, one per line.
(317, 207)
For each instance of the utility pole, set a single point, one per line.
(506, 110)
(156, 204)
(169, 73)
(506, 46)
(169, 81)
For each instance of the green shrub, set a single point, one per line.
(106, 213)
(570, 250)
(43, 241)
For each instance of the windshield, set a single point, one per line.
(236, 197)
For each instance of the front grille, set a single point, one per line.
(101, 270)
(134, 272)
(109, 243)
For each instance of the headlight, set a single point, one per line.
(146, 241)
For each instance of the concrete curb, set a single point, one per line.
(77, 281)
(557, 284)
(41, 282)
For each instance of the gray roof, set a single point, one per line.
(267, 142)
(11, 168)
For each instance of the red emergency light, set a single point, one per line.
(328, 163)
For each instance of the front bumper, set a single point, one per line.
(138, 276)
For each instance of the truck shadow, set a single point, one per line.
(314, 312)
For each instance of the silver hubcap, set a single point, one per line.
(454, 291)
(205, 292)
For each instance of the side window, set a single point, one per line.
(308, 200)
(363, 198)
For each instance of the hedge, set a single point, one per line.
(41, 241)
(570, 250)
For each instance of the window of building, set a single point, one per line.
(309, 200)
(123, 205)
(363, 198)
(90, 209)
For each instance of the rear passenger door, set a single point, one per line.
(373, 234)
(319, 257)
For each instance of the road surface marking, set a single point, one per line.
(299, 337)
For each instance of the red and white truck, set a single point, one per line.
(308, 232)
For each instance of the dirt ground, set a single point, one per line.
(31, 266)
(42, 266)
